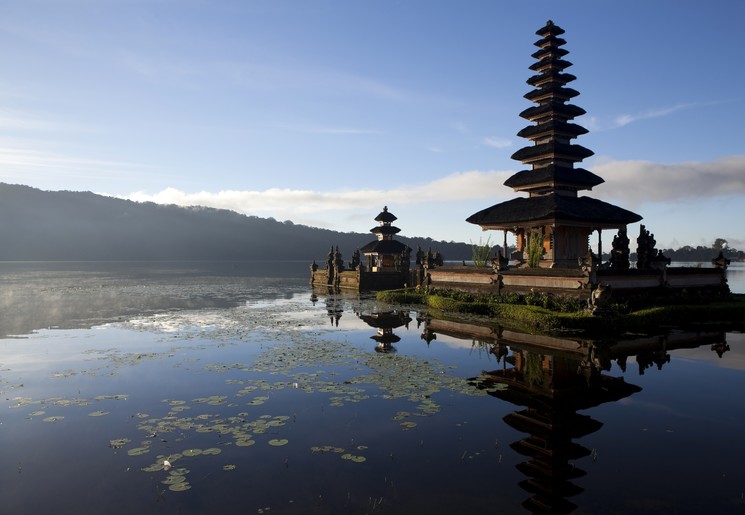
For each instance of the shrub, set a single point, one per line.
(480, 252)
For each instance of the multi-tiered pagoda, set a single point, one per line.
(553, 215)
(385, 253)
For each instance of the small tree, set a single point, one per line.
(480, 252)
(720, 244)
(535, 249)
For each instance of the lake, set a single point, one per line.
(228, 388)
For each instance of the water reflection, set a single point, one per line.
(77, 295)
(385, 322)
(552, 379)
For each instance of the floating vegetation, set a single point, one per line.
(353, 457)
(118, 443)
(53, 419)
(228, 467)
(327, 448)
(98, 413)
(192, 452)
(36, 413)
(278, 442)
(180, 487)
(138, 451)
(211, 451)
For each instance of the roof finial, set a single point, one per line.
(549, 23)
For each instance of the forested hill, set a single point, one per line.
(40, 225)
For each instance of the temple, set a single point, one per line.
(553, 223)
(387, 262)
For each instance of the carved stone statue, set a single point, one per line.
(355, 263)
(338, 261)
(500, 262)
(619, 255)
(648, 257)
(589, 262)
(419, 255)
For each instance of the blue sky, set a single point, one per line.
(321, 112)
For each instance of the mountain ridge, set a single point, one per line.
(37, 225)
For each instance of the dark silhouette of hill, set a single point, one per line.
(38, 225)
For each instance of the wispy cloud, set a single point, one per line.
(460, 127)
(622, 120)
(626, 119)
(267, 75)
(17, 120)
(17, 163)
(497, 142)
(327, 129)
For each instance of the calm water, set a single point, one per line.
(267, 398)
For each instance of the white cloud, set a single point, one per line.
(289, 203)
(639, 182)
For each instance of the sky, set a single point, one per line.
(321, 112)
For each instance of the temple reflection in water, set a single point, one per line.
(551, 379)
(385, 322)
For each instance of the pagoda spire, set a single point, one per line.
(552, 155)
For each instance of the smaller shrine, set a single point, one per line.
(386, 254)
(387, 262)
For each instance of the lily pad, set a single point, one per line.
(56, 418)
(138, 451)
(278, 442)
(180, 487)
(98, 413)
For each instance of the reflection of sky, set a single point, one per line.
(736, 277)
(734, 358)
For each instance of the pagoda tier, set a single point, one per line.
(554, 211)
(553, 177)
